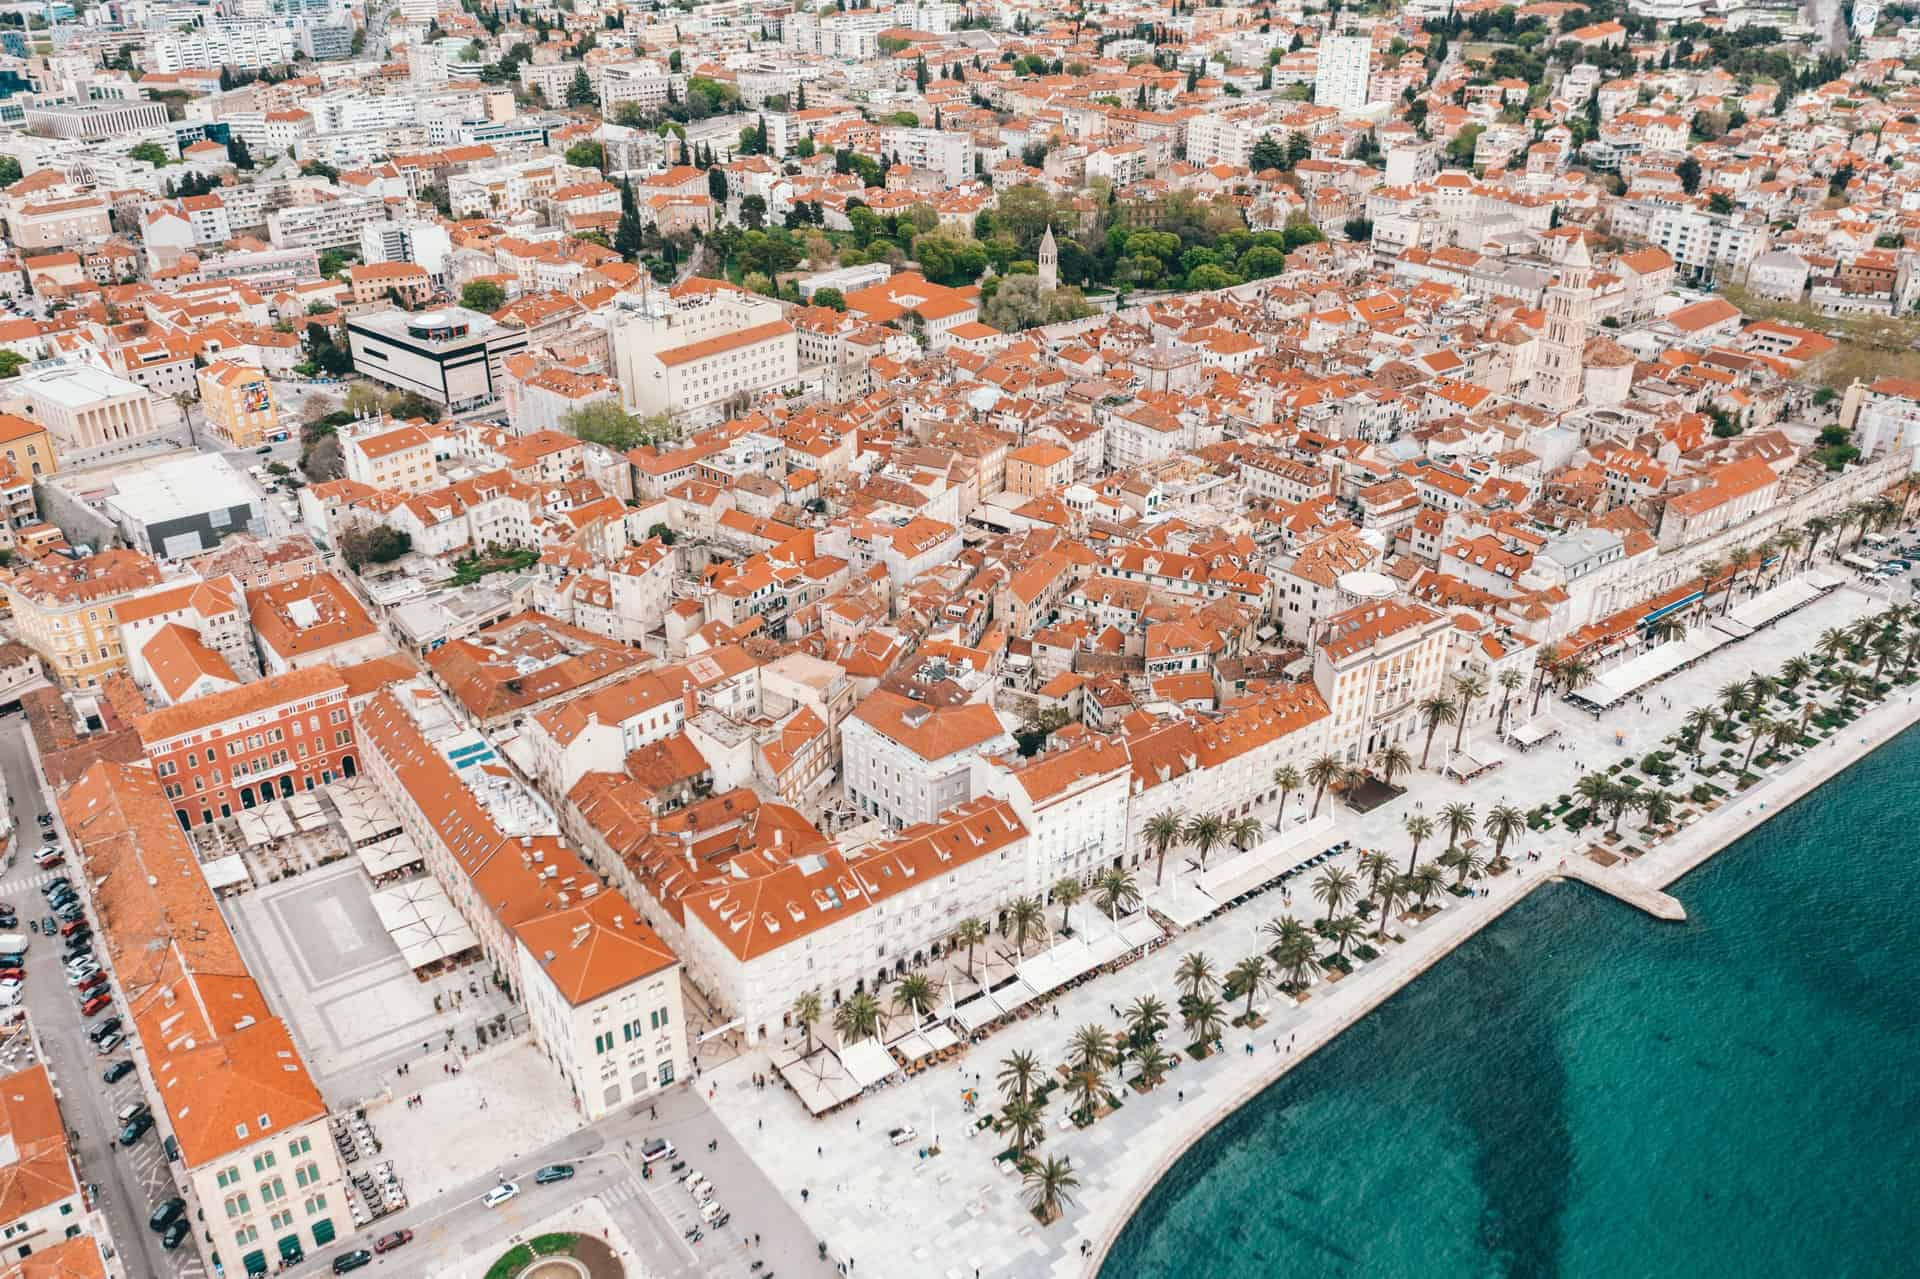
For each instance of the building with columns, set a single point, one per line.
(86, 408)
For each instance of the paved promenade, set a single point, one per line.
(887, 1211)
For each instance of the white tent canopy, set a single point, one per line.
(226, 872)
(387, 856)
(423, 922)
(867, 1062)
(1535, 731)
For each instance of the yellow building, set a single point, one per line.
(237, 401)
(65, 610)
(27, 445)
(1038, 469)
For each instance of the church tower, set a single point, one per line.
(1049, 261)
(1556, 383)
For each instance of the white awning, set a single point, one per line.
(1535, 731)
(867, 1062)
(1776, 603)
(386, 856)
(974, 1013)
(1627, 678)
(423, 922)
(820, 1081)
(1013, 995)
(226, 872)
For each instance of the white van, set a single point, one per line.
(13, 943)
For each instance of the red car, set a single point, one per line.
(387, 1243)
(95, 1003)
(92, 983)
(14, 974)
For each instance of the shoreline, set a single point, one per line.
(1684, 853)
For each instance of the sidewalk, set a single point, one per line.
(945, 1216)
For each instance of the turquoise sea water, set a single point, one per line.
(1581, 1091)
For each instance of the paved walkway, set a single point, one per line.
(891, 1212)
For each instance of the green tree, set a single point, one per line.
(628, 234)
(717, 184)
(9, 171)
(362, 545)
(580, 91)
(1266, 154)
(482, 295)
(753, 211)
(605, 422)
(151, 152)
(830, 298)
(948, 258)
(587, 155)
(237, 152)
(10, 363)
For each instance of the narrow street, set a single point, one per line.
(130, 1182)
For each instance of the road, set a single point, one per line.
(130, 1182)
(454, 1232)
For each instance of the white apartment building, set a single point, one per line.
(840, 922)
(1073, 803)
(246, 46)
(337, 224)
(907, 762)
(699, 353)
(948, 154)
(1697, 241)
(1886, 416)
(1374, 665)
(1341, 72)
(646, 83)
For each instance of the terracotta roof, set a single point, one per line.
(37, 1171)
(309, 615)
(928, 732)
(724, 342)
(248, 699)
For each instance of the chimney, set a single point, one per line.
(692, 703)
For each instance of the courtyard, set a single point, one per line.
(357, 1008)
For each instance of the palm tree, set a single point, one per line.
(1195, 976)
(1153, 1065)
(1162, 831)
(1091, 1049)
(1325, 769)
(1205, 832)
(1698, 721)
(913, 994)
(1788, 540)
(1656, 806)
(1502, 823)
(1910, 650)
(1025, 1125)
(858, 1018)
(1574, 675)
(1734, 698)
(1028, 919)
(1832, 644)
(1459, 820)
(1469, 689)
(1114, 892)
(1795, 671)
(1419, 826)
(1710, 573)
(1884, 646)
(1762, 689)
(1758, 727)
(1465, 862)
(1343, 932)
(1249, 978)
(1377, 867)
(1394, 886)
(1391, 760)
(1018, 1070)
(969, 932)
(1597, 789)
(1336, 888)
(1244, 831)
(1297, 960)
(1510, 681)
(1850, 683)
(1204, 1018)
(1426, 882)
(1066, 892)
(806, 1011)
(1285, 930)
(1620, 799)
(1287, 778)
(1546, 663)
(1146, 1017)
(1737, 558)
(1048, 1186)
(1817, 527)
(1435, 711)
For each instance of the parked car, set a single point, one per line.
(500, 1194)
(552, 1173)
(104, 1029)
(54, 885)
(115, 1073)
(91, 983)
(106, 1046)
(656, 1148)
(95, 1003)
(12, 974)
(167, 1213)
(46, 925)
(398, 1239)
(901, 1136)
(131, 1111)
(347, 1261)
(175, 1234)
(49, 857)
(135, 1130)
(74, 925)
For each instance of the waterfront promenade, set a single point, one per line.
(888, 1211)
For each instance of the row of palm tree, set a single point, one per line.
(1203, 832)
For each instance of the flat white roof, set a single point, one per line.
(81, 386)
(184, 486)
